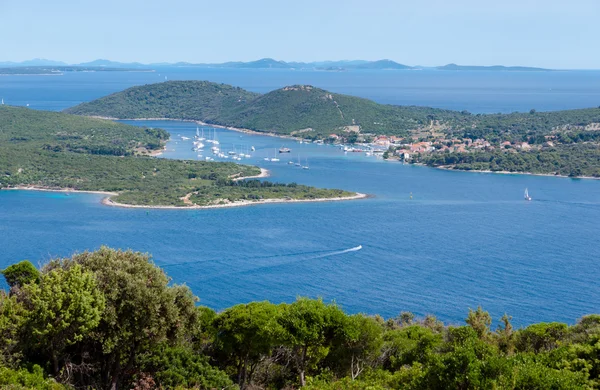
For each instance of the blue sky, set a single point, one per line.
(550, 33)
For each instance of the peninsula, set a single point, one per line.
(56, 151)
(557, 143)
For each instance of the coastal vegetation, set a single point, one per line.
(559, 142)
(564, 160)
(58, 151)
(111, 319)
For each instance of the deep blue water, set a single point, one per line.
(475, 91)
(465, 239)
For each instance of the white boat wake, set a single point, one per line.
(335, 253)
(264, 262)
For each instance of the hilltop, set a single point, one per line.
(317, 112)
(283, 111)
(49, 150)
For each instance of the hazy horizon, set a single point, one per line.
(551, 34)
(275, 59)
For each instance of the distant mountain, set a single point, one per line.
(112, 64)
(59, 70)
(264, 63)
(34, 62)
(381, 64)
(270, 63)
(496, 68)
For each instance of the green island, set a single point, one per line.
(557, 143)
(111, 319)
(48, 150)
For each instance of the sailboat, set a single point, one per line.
(275, 159)
(298, 163)
(306, 166)
(198, 138)
(527, 197)
(2, 102)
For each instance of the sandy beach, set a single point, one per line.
(263, 173)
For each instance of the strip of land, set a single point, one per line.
(224, 203)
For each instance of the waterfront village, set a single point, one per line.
(404, 148)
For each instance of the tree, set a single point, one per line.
(176, 367)
(248, 332)
(309, 328)
(409, 345)
(12, 318)
(141, 309)
(361, 343)
(21, 273)
(480, 321)
(63, 308)
(505, 335)
(540, 337)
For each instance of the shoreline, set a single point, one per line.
(108, 202)
(263, 173)
(66, 190)
(238, 129)
(248, 131)
(448, 168)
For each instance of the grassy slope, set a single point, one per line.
(55, 150)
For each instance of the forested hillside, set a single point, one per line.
(299, 107)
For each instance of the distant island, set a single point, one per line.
(494, 68)
(270, 63)
(559, 143)
(56, 151)
(57, 70)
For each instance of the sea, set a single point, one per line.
(427, 241)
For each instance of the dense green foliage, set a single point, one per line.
(299, 107)
(21, 273)
(195, 100)
(113, 320)
(54, 150)
(565, 160)
(281, 111)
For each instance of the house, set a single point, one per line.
(403, 154)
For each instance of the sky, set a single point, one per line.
(550, 33)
